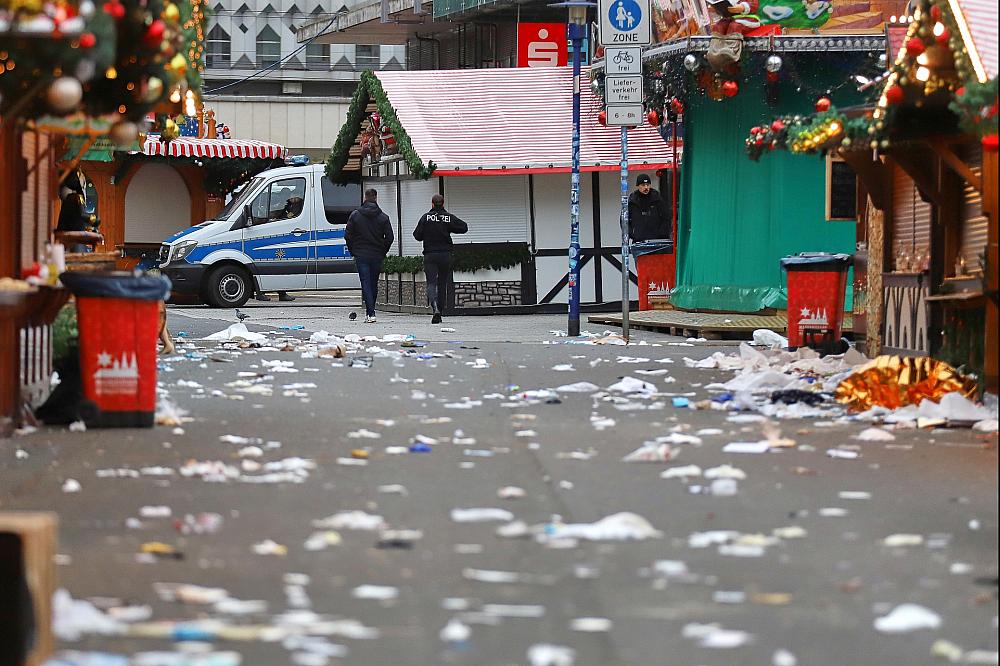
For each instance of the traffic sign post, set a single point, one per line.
(625, 27)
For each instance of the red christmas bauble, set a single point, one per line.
(154, 33)
(823, 104)
(87, 40)
(943, 38)
(773, 77)
(915, 46)
(114, 9)
(653, 118)
(730, 88)
(677, 105)
(602, 117)
(936, 13)
(960, 91)
(777, 126)
(755, 130)
(990, 143)
(895, 94)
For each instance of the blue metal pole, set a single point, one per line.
(625, 239)
(576, 34)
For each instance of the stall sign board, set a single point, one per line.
(623, 90)
(625, 22)
(622, 60)
(624, 115)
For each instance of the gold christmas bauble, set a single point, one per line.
(124, 133)
(171, 13)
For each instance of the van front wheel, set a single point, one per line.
(228, 286)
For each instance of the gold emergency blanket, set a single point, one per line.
(897, 381)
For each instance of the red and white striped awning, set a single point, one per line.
(231, 148)
(511, 120)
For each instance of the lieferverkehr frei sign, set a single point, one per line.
(625, 22)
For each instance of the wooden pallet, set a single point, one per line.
(711, 326)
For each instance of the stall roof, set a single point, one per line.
(977, 21)
(482, 121)
(224, 148)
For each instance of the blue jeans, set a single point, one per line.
(368, 271)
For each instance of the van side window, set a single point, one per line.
(281, 200)
(339, 200)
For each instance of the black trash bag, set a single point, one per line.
(791, 396)
(63, 404)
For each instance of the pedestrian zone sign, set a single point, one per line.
(625, 22)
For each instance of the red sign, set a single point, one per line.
(541, 45)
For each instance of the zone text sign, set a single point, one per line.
(624, 115)
(625, 22)
(622, 90)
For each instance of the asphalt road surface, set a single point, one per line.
(809, 595)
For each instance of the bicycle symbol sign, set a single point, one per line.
(625, 22)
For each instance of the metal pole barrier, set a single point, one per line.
(625, 239)
(576, 35)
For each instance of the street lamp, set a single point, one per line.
(577, 31)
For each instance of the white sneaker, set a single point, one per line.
(369, 320)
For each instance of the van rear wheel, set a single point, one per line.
(228, 286)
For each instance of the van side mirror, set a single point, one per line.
(247, 216)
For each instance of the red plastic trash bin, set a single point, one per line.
(655, 267)
(118, 316)
(817, 283)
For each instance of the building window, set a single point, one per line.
(318, 56)
(268, 47)
(366, 56)
(217, 48)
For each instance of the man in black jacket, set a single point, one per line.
(369, 237)
(434, 230)
(648, 215)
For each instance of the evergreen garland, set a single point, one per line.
(975, 104)
(371, 88)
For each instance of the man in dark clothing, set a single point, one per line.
(434, 230)
(369, 237)
(648, 215)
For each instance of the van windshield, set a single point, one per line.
(236, 203)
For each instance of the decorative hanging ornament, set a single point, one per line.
(595, 87)
(172, 13)
(773, 63)
(943, 38)
(895, 94)
(777, 126)
(772, 77)
(87, 40)
(64, 94)
(653, 118)
(114, 9)
(690, 62)
(154, 33)
(602, 118)
(936, 13)
(915, 46)
(677, 105)
(730, 88)
(823, 104)
(124, 133)
(990, 143)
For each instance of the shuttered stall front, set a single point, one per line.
(416, 197)
(387, 202)
(911, 221)
(496, 207)
(974, 222)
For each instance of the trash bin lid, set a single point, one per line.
(817, 260)
(116, 284)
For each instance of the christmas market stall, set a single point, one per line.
(146, 195)
(926, 151)
(70, 67)
(724, 73)
(497, 144)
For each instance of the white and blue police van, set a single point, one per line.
(284, 231)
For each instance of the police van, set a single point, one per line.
(284, 231)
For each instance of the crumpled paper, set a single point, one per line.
(897, 381)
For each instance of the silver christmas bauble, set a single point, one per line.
(124, 133)
(690, 62)
(64, 94)
(773, 63)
